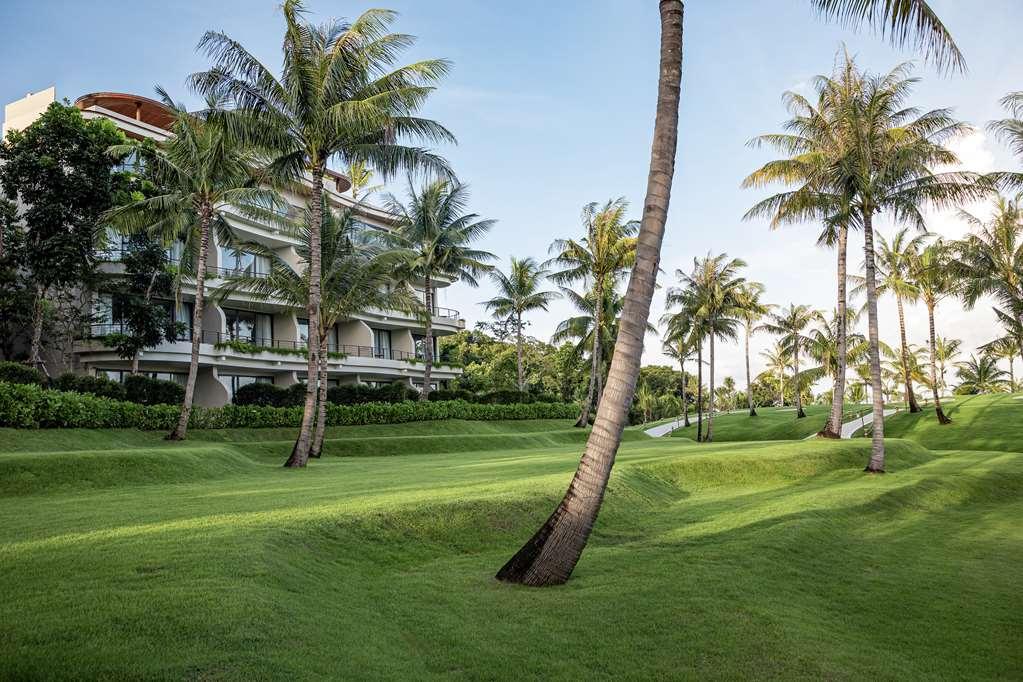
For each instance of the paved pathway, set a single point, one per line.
(848, 428)
(665, 429)
(851, 427)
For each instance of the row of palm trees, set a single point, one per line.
(341, 97)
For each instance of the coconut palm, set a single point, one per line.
(519, 293)
(1008, 348)
(434, 226)
(750, 310)
(1010, 131)
(905, 365)
(825, 349)
(946, 350)
(340, 96)
(202, 173)
(677, 347)
(933, 281)
(981, 374)
(600, 260)
(895, 260)
(357, 275)
(550, 555)
(776, 361)
(791, 324)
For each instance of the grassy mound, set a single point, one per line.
(771, 423)
(715, 561)
(979, 422)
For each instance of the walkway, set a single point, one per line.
(665, 429)
(848, 428)
(851, 427)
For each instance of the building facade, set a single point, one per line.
(245, 339)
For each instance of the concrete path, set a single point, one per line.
(665, 429)
(851, 427)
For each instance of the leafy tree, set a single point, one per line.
(438, 233)
(600, 258)
(339, 97)
(946, 350)
(981, 374)
(60, 170)
(791, 325)
(777, 363)
(519, 293)
(17, 295)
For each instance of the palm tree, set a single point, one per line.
(600, 259)
(981, 375)
(1008, 348)
(750, 311)
(1010, 130)
(339, 97)
(895, 261)
(826, 349)
(435, 228)
(945, 352)
(791, 324)
(550, 555)
(710, 293)
(931, 277)
(202, 172)
(678, 346)
(519, 293)
(777, 361)
(357, 274)
(360, 175)
(900, 367)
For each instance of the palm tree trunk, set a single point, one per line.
(316, 449)
(205, 217)
(942, 419)
(428, 340)
(910, 398)
(833, 429)
(584, 415)
(685, 388)
(796, 388)
(781, 387)
(518, 351)
(710, 395)
(699, 391)
(300, 453)
(749, 382)
(876, 464)
(550, 556)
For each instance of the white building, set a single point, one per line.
(380, 346)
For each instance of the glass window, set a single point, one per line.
(420, 345)
(236, 381)
(121, 374)
(248, 326)
(303, 334)
(236, 261)
(382, 343)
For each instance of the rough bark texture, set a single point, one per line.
(550, 556)
(205, 217)
(300, 453)
(876, 464)
(910, 398)
(796, 388)
(35, 348)
(316, 449)
(749, 384)
(428, 339)
(518, 352)
(833, 429)
(710, 395)
(942, 419)
(591, 390)
(685, 400)
(699, 392)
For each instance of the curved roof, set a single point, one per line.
(133, 106)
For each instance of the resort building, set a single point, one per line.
(246, 340)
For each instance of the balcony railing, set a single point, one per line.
(446, 313)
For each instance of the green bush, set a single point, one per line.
(506, 397)
(359, 394)
(268, 395)
(17, 373)
(31, 406)
(83, 383)
(148, 391)
(452, 394)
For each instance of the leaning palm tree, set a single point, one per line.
(932, 279)
(435, 227)
(895, 261)
(357, 275)
(202, 172)
(981, 374)
(550, 555)
(340, 97)
(519, 292)
(791, 325)
(750, 310)
(599, 259)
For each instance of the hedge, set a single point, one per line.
(30, 406)
(17, 373)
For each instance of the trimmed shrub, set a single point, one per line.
(83, 383)
(452, 394)
(17, 373)
(268, 395)
(148, 391)
(31, 406)
(359, 394)
(506, 397)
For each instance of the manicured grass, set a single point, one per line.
(771, 423)
(979, 422)
(207, 560)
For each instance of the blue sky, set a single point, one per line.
(552, 104)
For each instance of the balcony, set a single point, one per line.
(446, 313)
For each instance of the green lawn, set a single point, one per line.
(979, 422)
(771, 423)
(122, 556)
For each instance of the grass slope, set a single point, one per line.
(979, 422)
(712, 562)
(771, 423)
